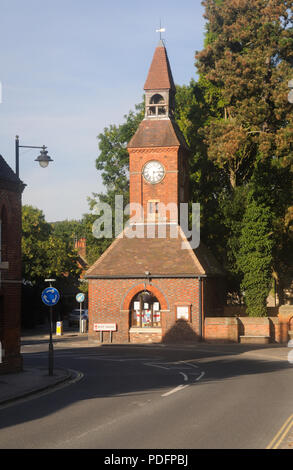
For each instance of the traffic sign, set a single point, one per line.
(50, 296)
(80, 297)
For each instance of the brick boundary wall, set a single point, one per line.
(229, 329)
(225, 330)
(254, 326)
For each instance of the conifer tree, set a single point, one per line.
(255, 256)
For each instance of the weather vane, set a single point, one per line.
(160, 30)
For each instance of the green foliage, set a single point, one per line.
(255, 258)
(68, 231)
(44, 254)
(247, 57)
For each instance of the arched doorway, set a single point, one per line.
(145, 311)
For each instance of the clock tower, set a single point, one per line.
(158, 153)
(149, 288)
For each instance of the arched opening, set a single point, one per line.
(145, 311)
(157, 106)
(157, 99)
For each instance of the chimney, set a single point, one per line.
(80, 246)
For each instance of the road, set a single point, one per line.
(153, 397)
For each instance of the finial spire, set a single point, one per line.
(160, 30)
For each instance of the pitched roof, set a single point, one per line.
(157, 133)
(160, 75)
(7, 175)
(132, 257)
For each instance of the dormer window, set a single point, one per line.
(157, 106)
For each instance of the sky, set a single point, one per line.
(70, 68)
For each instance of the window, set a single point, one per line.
(153, 209)
(145, 311)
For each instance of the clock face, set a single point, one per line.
(153, 172)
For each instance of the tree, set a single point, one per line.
(255, 256)
(44, 254)
(245, 65)
(248, 58)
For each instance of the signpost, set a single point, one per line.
(50, 297)
(80, 299)
(105, 327)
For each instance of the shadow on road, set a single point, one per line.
(131, 371)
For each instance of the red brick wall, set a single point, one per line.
(167, 191)
(229, 329)
(253, 326)
(221, 330)
(109, 302)
(10, 289)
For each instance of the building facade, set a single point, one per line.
(150, 285)
(10, 268)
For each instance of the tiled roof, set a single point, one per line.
(160, 256)
(160, 75)
(157, 133)
(8, 179)
(6, 173)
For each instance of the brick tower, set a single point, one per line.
(150, 288)
(158, 153)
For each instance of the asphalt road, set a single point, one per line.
(207, 397)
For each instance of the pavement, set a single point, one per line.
(30, 380)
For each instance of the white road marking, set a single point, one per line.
(184, 376)
(155, 365)
(187, 363)
(201, 375)
(174, 390)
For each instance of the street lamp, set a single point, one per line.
(44, 159)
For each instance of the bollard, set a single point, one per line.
(59, 328)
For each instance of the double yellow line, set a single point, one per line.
(281, 434)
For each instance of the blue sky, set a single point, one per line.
(70, 68)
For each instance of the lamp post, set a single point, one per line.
(44, 159)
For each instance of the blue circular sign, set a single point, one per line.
(50, 296)
(80, 297)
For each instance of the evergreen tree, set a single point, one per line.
(255, 258)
